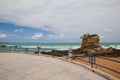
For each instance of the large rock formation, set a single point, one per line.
(90, 45)
(90, 42)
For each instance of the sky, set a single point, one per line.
(59, 20)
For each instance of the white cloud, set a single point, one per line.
(18, 30)
(107, 30)
(3, 35)
(55, 36)
(37, 36)
(68, 17)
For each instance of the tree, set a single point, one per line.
(85, 36)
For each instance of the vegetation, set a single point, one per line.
(86, 36)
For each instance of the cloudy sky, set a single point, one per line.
(58, 20)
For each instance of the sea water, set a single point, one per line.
(32, 47)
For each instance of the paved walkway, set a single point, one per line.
(32, 67)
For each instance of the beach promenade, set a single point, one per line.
(15, 66)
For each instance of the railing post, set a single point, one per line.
(39, 50)
(92, 60)
(26, 49)
(70, 54)
(89, 58)
(12, 49)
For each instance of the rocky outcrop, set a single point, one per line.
(90, 45)
(90, 42)
(57, 53)
(111, 52)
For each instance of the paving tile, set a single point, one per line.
(32, 67)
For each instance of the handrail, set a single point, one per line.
(108, 59)
(108, 68)
(18, 49)
(84, 60)
(92, 61)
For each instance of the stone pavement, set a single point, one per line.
(15, 66)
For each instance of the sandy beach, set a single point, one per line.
(15, 66)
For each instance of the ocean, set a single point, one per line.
(32, 47)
